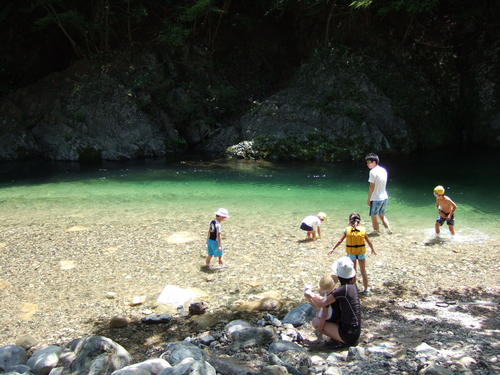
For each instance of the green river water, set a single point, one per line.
(269, 194)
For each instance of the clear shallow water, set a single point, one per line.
(272, 194)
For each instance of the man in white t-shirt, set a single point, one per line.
(377, 195)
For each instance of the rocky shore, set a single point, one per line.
(432, 310)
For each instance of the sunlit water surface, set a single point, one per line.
(266, 193)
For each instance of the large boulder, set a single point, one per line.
(331, 111)
(43, 360)
(149, 367)
(190, 366)
(300, 315)
(96, 355)
(178, 351)
(12, 355)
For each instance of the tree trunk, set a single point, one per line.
(49, 8)
(225, 9)
(328, 21)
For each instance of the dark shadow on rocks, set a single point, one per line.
(144, 341)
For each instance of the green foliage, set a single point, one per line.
(173, 35)
(316, 146)
(69, 17)
(199, 8)
(175, 145)
(386, 6)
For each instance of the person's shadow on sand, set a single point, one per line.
(434, 241)
(305, 240)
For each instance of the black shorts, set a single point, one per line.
(349, 335)
(306, 227)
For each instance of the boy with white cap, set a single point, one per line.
(214, 243)
(311, 225)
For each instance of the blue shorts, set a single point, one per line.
(306, 227)
(378, 207)
(359, 256)
(441, 220)
(213, 248)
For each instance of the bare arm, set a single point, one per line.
(370, 192)
(319, 301)
(369, 242)
(322, 318)
(453, 207)
(319, 232)
(337, 244)
(219, 240)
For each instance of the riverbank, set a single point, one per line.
(64, 277)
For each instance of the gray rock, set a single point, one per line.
(434, 369)
(236, 325)
(273, 320)
(297, 360)
(178, 351)
(206, 338)
(356, 353)
(230, 366)
(57, 371)
(149, 367)
(157, 319)
(274, 370)
(301, 314)
(97, 355)
(251, 336)
(425, 348)
(43, 360)
(12, 355)
(275, 360)
(333, 370)
(21, 369)
(283, 346)
(190, 366)
(198, 308)
(118, 322)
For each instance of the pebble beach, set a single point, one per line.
(67, 276)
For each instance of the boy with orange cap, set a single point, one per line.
(446, 208)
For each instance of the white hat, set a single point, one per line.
(222, 212)
(321, 215)
(344, 268)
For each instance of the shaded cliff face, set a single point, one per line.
(331, 111)
(92, 111)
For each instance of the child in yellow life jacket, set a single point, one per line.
(355, 247)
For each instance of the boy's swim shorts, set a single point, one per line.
(213, 248)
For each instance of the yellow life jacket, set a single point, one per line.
(355, 240)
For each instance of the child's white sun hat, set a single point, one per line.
(222, 212)
(344, 268)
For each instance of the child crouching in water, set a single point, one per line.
(356, 247)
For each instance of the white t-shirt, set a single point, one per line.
(312, 221)
(378, 176)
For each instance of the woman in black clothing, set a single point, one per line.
(344, 323)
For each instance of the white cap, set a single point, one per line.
(344, 268)
(222, 212)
